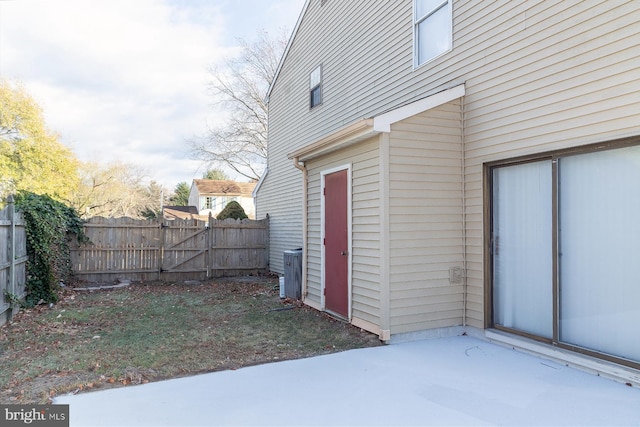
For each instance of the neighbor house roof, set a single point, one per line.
(214, 187)
(179, 212)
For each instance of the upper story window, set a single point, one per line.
(315, 87)
(432, 29)
(209, 202)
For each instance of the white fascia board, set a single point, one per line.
(254, 193)
(383, 122)
(350, 134)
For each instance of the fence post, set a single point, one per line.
(12, 244)
(207, 256)
(161, 250)
(268, 245)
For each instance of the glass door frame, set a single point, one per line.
(488, 198)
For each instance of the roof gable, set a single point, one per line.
(286, 50)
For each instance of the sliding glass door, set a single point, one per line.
(522, 249)
(599, 223)
(577, 215)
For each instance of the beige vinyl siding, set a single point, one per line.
(365, 194)
(347, 75)
(280, 197)
(560, 75)
(539, 75)
(426, 220)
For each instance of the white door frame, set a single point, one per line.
(323, 174)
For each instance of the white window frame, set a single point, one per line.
(208, 203)
(417, 20)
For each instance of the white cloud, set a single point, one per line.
(126, 80)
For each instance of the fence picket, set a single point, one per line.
(173, 250)
(13, 258)
(141, 250)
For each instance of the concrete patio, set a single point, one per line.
(447, 381)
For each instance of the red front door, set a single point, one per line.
(336, 241)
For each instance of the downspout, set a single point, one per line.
(465, 287)
(305, 175)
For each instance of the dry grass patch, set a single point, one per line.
(150, 332)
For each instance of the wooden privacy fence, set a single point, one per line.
(189, 249)
(13, 258)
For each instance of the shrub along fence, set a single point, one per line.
(13, 259)
(190, 249)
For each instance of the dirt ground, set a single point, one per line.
(153, 331)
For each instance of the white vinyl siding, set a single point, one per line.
(365, 183)
(539, 76)
(426, 220)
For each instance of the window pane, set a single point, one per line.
(316, 97)
(315, 78)
(434, 35)
(522, 248)
(424, 7)
(600, 251)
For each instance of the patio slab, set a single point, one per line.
(447, 381)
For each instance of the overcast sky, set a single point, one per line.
(125, 80)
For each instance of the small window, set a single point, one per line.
(432, 29)
(210, 202)
(315, 87)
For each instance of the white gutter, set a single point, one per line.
(345, 136)
(305, 195)
(254, 193)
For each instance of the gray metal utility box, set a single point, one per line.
(293, 274)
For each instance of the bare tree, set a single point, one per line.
(117, 189)
(240, 87)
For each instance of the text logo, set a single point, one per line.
(35, 415)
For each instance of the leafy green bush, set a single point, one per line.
(232, 210)
(48, 223)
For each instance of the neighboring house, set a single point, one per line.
(180, 212)
(211, 196)
(463, 165)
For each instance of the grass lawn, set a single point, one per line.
(149, 332)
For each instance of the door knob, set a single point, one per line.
(344, 253)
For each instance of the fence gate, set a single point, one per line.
(184, 248)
